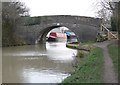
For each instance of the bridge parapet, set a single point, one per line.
(72, 19)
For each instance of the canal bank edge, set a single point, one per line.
(88, 69)
(78, 46)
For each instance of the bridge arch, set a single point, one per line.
(43, 33)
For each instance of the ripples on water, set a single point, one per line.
(50, 63)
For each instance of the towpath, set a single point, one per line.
(109, 74)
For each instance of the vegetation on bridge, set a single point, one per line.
(34, 20)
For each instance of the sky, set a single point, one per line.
(61, 7)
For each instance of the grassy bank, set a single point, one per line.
(113, 51)
(80, 46)
(88, 70)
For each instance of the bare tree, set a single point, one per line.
(12, 11)
(11, 18)
(107, 4)
(108, 12)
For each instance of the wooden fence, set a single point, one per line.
(110, 34)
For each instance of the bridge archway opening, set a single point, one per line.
(62, 31)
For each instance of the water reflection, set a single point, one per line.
(44, 76)
(58, 51)
(49, 63)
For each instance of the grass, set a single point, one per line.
(87, 42)
(88, 69)
(113, 51)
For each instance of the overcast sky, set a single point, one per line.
(61, 7)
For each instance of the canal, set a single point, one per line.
(48, 63)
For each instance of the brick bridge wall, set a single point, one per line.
(84, 27)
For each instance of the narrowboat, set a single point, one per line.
(57, 37)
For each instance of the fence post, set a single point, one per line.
(108, 35)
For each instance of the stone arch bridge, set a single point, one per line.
(85, 28)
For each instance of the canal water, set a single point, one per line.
(48, 63)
